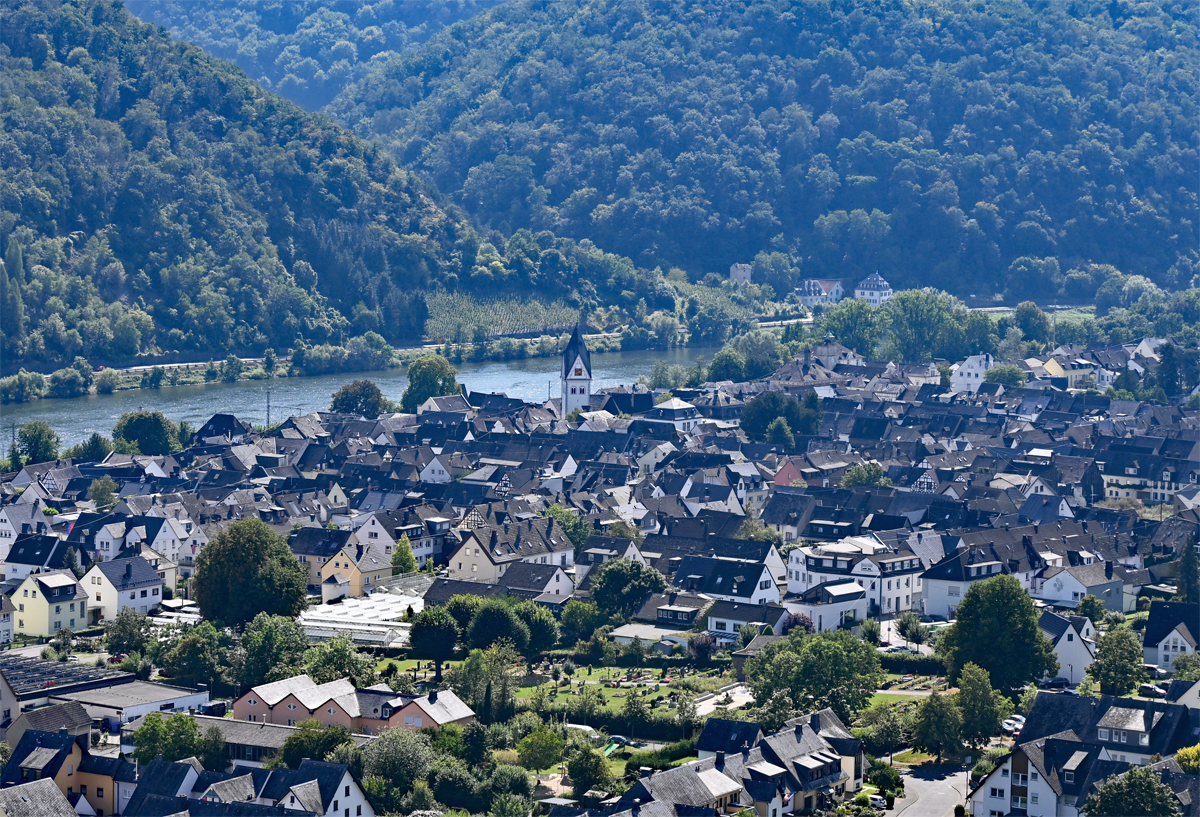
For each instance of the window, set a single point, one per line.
(720, 625)
(1070, 636)
(99, 791)
(408, 720)
(1143, 740)
(997, 793)
(83, 788)
(1018, 801)
(331, 711)
(1033, 799)
(1068, 777)
(1102, 734)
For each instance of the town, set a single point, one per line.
(849, 587)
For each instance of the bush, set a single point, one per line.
(906, 663)
(660, 758)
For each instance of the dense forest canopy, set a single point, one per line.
(305, 50)
(985, 147)
(155, 199)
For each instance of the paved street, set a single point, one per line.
(931, 792)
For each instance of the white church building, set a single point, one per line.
(576, 375)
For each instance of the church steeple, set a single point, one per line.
(576, 374)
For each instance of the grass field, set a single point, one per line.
(888, 698)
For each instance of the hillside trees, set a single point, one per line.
(975, 147)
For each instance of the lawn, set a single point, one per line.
(914, 756)
(888, 698)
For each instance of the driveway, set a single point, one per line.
(887, 632)
(932, 791)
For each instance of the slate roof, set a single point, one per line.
(720, 735)
(576, 348)
(127, 574)
(1165, 616)
(37, 798)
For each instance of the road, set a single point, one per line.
(932, 792)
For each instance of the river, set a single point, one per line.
(531, 379)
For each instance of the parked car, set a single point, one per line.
(1019, 720)
(877, 801)
(1151, 691)
(1009, 726)
(1055, 683)
(1155, 671)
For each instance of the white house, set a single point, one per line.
(815, 291)
(967, 375)
(740, 273)
(1170, 632)
(1073, 640)
(684, 416)
(874, 290)
(891, 580)
(122, 583)
(831, 605)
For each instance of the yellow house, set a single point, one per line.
(1078, 373)
(48, 602)
(106, 783)
(354, 570)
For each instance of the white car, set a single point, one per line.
(1010, 726)
(1019, 720)
(877, 801)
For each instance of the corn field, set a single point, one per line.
(458, 317)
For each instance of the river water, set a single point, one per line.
(532, 379)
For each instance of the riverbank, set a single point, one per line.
(531, 379)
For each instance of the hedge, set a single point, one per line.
(907, 663)
(660, 758)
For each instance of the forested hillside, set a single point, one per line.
(986, 147)
(154, 199)
(305, 50)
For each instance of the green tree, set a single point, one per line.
(580, 619)
(938, 726)
(37, 442)
(997, 629)
(727, 364)
(361, 398)
(759, 412)
(1032, 321)
(103, 492)
(1188, 758)
(575, 526)
(541, 749)
(587, 770)
(619, 585)
(212, 751)
(174, 737)
(780, 433)
(128, 632)
(920, 322)
(463, 607)
(196, 657)
(855, 324)
(982, 708)
(1186, 667)
(339, 658)
(400, 756)
(870, 631)
(428, 376)
(94, 449)
(271, 645)
(1118, 665)
(496, 620)
(403, 560)
(1091, 607)
(1187, 570)
(1137, 793)
(248, 569)
(542, 626)
(831, 668)
(867, 473)
(150, 431)
(433, 637)
(1007, 375)
(314, 741)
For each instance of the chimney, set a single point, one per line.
(814, 720)
(720, 764)
(433, 696)
(645, 772)
(1108, 570)
(129, 570)
(550, 526)
(1027, 541)
(62, 730)
(637, 808)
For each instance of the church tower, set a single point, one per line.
(576, 375)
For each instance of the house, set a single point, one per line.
(247, 744)
(27, 683)
(528, 581)
(354, 571)
(576, 375)
(7, 609)
(37, 798)
(830, 605)
(1066, 586)
(121, 583)
(946, 582)
(740, 273)
(730, 737)
(725, 618)
(54, 718)
(1128, 729)
(683, 416)
(874, 290)
(362, 711)
(37, 552)
(48, 602)
(813, 291)
(968, 375)
(891, 579)
(106, 783)
(112, 706)
(1072, 638)
(1171, 630)
(486, 552)
(727, 579)
(315, 546)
